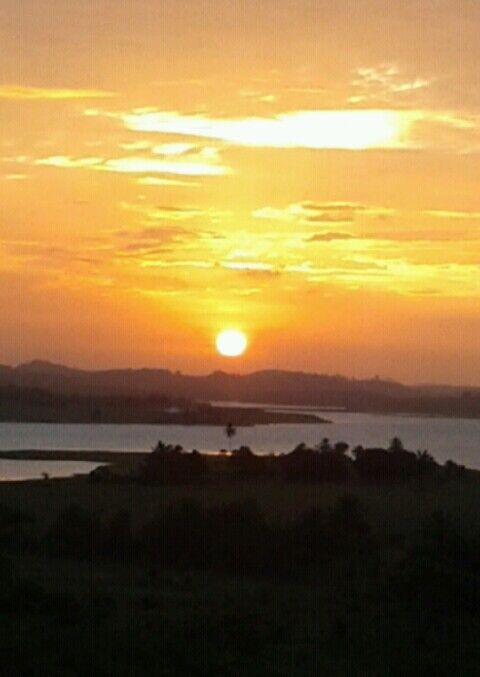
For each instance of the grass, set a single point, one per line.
(391, 507)
(120, 621)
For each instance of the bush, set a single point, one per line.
(246, 465)
(172, 465)
(309, 465)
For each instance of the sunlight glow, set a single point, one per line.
(329, 129)
(231, 343)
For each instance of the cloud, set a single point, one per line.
(345, 129)
(381, 128)
(136, 165)
(154, 213)
(15, 177)
(155, 181)
(315, 213)
(178, 264)
(21, 93)
(153, 243)
(384, 81)
(145, 165)
(329, 236)
(158, 234)
(249, 266)
(174, 148)
(162, 212)
(36, 252)
(444, 214)
(65, 161)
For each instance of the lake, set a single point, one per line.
(445, 438)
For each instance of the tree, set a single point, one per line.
(230, 431)
(396, 445)
(324, 447)
(426, 465)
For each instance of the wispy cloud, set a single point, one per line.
(137, 165)
(15, 177)
(445, 214)
(342, 129)
(155, 181)
(384, 82)
(153, 213)
(68, 162)
(326, 212)
(250, 266)
(146, 165)
(301, 129)
(23, 93)
(329, 236)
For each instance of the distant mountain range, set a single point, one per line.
(269, 386)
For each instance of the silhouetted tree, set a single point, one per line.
(396, 445)
(230, 431)
(426, 466)
(312, 465)
(246, 464)
(324, 447)
(169, 464)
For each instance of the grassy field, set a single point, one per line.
(393, 508)
(388, 612)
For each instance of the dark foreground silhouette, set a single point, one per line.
(171, 464)
(241, 572)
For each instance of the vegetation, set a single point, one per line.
(21, 404)
(236, 565)
(251, 579)
(282, 387)
(169, 464)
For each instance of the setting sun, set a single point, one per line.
(231, 343)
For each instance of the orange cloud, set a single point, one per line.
(22, 93)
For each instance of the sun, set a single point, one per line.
(231, 343)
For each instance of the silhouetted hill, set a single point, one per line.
(22, 404)
(275, 386)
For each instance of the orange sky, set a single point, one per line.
(304, 171)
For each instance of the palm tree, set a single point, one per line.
(425, 460)
(230, 431)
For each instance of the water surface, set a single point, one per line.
(458, 439)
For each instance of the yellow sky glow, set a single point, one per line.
(268, 166)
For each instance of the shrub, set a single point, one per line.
(172, 465)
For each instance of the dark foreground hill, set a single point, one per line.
(273, 386)
(240, 579)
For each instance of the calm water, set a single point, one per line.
(458, 439)
(27, 470)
